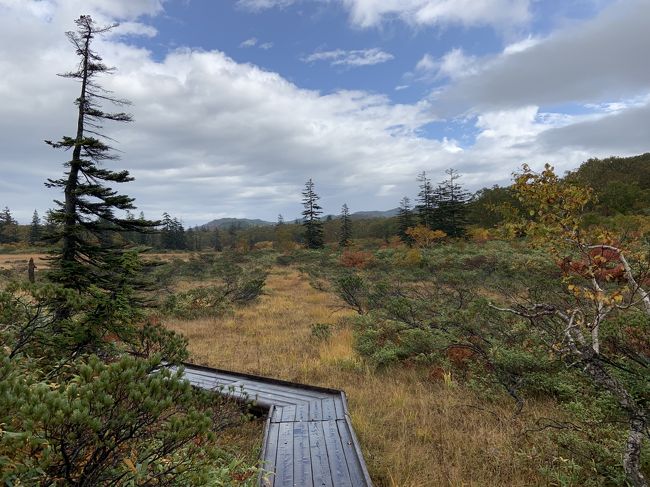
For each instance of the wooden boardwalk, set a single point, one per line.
(308, 441)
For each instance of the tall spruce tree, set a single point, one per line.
(425, 204)
(451, 201)
(345, 234)
(405, 220)
(82, 380)
(88, 211)
(311, 217)
(8, 227)
(35, 229)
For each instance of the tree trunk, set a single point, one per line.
(69, 249)
(632, 457)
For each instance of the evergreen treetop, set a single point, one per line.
(425, 203)
(405, 220)
(451, 205)
(311, 217)
(346, 227)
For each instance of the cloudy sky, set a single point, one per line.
(238, 102)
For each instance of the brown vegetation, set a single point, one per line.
(416, 427)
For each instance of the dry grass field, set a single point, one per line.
(19, 261)
(415, 430)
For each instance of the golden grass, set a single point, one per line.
(19, 261)
(414, 431)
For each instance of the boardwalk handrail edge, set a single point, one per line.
(260, 378)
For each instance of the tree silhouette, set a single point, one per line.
(450, 201)
(35, 229)
(426, 204)
(346, 227)
(405, 220)
(311, 217)
(88, 212)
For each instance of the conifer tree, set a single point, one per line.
(311, 217)
(346, 227)
(35, 229)
(280, 220)
(405, 220)
(172, 234)
(84, 392)
(426, 203)
(88, 211)
(451, 200)
(8, 227)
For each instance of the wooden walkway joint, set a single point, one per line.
(308, 440)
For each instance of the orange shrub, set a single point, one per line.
(357, 259)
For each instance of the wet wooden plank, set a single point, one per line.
(276, 417)
(270, 455)
(284, 459)
(288, 413)
(357, 476)
(301, 456)
(336, 455)
(302, 411)
(340, 410)
(329, 410)
(318, 451)
(315, 411)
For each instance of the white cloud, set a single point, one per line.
(260, 5)
(426, 64)
(208, 132)
(355, 58)
(213, 137)
(453, 65)
(371, 13)
(251, 42)
(521, 46)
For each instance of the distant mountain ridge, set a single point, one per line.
(243, 223)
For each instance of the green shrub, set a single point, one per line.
(321, 331)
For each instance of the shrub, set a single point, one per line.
(128, 423)
(321, 331)
(356, 259)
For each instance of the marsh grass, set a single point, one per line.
(415, 428)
